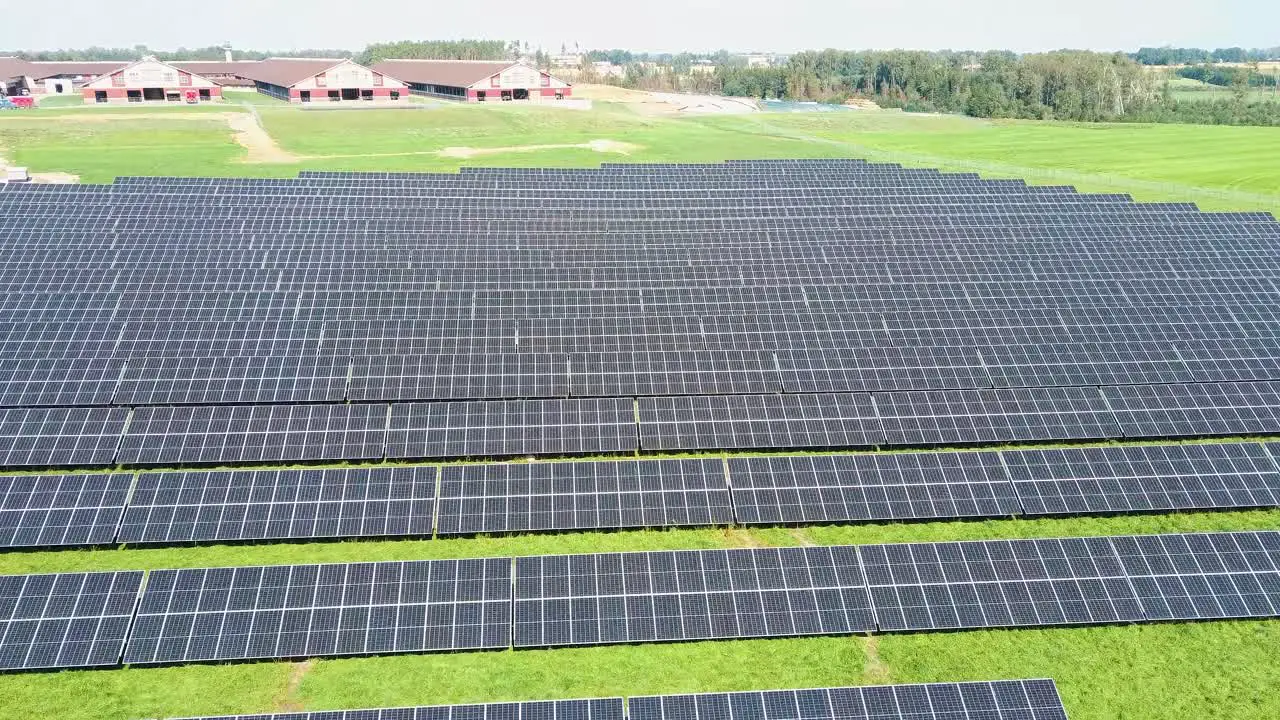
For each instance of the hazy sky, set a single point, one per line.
(655, 25)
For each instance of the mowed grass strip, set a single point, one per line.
(374, 550)
(1224, 669)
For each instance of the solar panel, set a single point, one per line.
(510, 427)
(997, 700)
(881, 368)
(254, 433)
(459, 377)
(998, 583)
(63, 621)
(666, 596)
(758, 421)
(592, 709)
(522, 497)
(55, 510)
(1196, 577)
(277, 504)
(318, 610)
(1143, 478)
(53, 437)
(243, 379)
(841, 488)
(629, 374)
(1199, 409)
(35, 382)
(942, 417)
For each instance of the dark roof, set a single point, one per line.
(217, 67)
(287, 72)
(40, 70)
(450, 73)
(12, 67)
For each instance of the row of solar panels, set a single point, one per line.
(1248, 328)
(207, 614)
(995, 700)
(230, 506)
(64, 287)
(239, 434)
(820, 296)
(266, 379)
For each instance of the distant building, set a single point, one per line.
(227, 73)
(703, 67)
(304, 80)
(754, 61)
(476, 80)
(66, 78)
(566, 60)
(605, 69)
(149, 80)
(14, 76)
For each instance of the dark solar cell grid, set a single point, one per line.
(279, 504)
(310, 610)
(55, 510)
(580, 495)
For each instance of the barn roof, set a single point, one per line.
(216, 67)
(287, 72)
(12, 67)
(40, 70)
(450, 73)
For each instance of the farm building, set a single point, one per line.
(51, 78)
(476, 80)
(321, 80)
(149, 80)
(14, 76)
(227, 73)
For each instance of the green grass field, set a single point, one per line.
(1198, 670)
(1217, 167)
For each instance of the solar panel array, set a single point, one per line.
(294, 611)
(997, 700)
(468, 499)
(512, 312)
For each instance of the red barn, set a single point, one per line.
(149, 80)
(476, 80)
(321, 80)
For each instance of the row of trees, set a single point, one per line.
(1065, 85)
(213, 52)
(1198, 56)
(1228, 76)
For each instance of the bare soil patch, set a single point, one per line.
(600, 146)
(262, 148)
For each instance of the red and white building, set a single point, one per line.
(476, 80)
(149, 80)
(305, 80)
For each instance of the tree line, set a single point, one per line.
(137, 52)
(1198, 56)
(1063, 85)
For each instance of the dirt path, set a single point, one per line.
(261, 148)
(600, 146)
(254, 138)
(742, 538)
(288, 700)
(874, 670)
